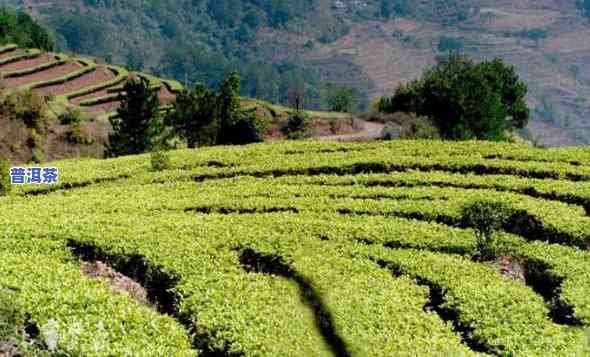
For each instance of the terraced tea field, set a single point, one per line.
(307, 249)
(74, 81)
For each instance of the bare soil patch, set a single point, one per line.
(511, 268)
(116, 280)
(104, 107)
(97, 94)
(44, 58)
(44, 75)
(101, 74)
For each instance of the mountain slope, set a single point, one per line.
(371, 45)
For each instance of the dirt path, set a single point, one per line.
(370, 131)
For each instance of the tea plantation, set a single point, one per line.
(307, 249)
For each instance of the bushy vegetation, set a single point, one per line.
(137, 127)
(486, 218)
(340, 99)
(160, 160)
(298, 126)
(19, 28)
(203, 117)
(256, 239)
(25, 106)
(400, 125)
(202, 51)
(466, 100)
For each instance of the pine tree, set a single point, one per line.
(137, 127)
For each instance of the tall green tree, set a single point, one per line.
(228, 106)
(340, 99)
(466, 100)
(204, 118)
(194, 116)
(138, 126)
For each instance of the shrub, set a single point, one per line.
(407, 126)
(391, 131)
(298, 126)
(486, 218)
(160, 160)
(77, 136)
(5, 186)
(37, 156)
(416, 127)
(26, 106)
(71, 115)
(249, 128)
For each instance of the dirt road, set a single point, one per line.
(370, 131)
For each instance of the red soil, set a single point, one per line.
(44, 75)
(165, 96)
(100, 93)
(105, 107)
(44, 58)
(101, 74)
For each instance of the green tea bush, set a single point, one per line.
(298, 126)
(486, 218)
(160, 160)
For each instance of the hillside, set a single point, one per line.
(81, 94)
(370, 45)
(304, 249)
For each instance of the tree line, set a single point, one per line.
(199, 116)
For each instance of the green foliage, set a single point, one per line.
(298, 126)
(486, 218)
(160, 160)
(25, 106)
(194, 116)
(138, 127)
(236, 126)
(191, 51)
(342, 216)
(5, 186)
(466, 100)
(19, 28)
(340, 99)
(37, 156)
(71, 115)
(205, 118)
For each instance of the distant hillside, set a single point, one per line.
(75, 97)
(371, 45)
